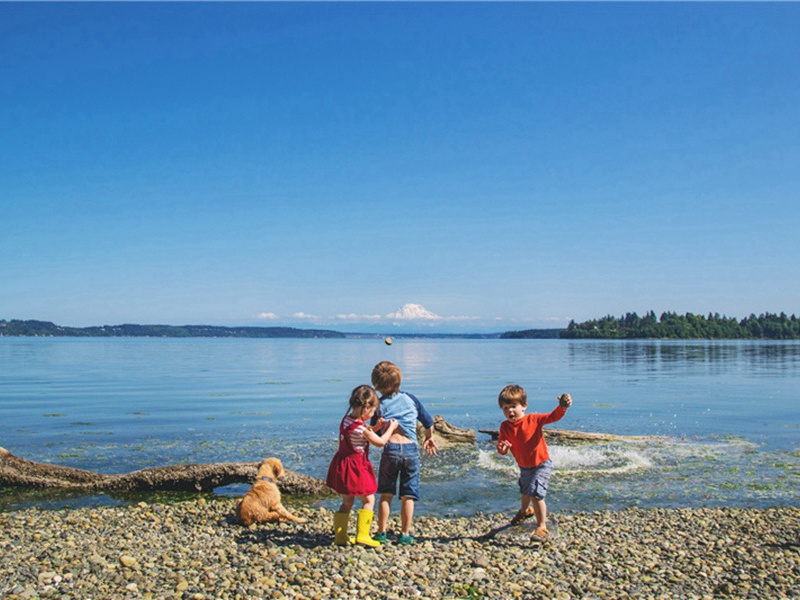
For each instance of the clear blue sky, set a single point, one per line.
(503, 165)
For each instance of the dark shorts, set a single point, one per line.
(533, 482)
(399, 461)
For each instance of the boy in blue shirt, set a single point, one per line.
(400, 457)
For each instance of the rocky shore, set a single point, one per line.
(195, 550)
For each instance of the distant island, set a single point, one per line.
(533, 334)
(672, 326)
(669, 326)
(47, 329)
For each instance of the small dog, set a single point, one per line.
(262, 503)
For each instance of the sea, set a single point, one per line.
(712, 423)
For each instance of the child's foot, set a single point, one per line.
(406, 539)
(380, 537)
(540, 535)
(522, 515)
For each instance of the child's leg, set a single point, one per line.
(341, 520)
(540, 510)
(409, 486)
(387, 483)
(368, 501)
(539, 492)
(525, 510)
(384, 507)
(347, 503)
(406, 514)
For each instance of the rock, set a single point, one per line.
(127, 561)
(657, 553)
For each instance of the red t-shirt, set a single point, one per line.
(525, 435)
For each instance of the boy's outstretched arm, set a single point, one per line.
(429, 445)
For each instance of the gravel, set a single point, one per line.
(196, 550)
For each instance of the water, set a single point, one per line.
(724, 416)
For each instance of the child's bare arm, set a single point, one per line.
(381, 440)
(429, 445)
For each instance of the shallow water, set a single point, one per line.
(725, 415)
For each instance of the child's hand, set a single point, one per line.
(430, 446)
(503, 446)
(392, 424)
(565, 400)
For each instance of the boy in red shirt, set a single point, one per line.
(522, 435)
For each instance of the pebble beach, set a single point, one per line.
(196, 550)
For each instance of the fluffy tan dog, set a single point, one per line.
(262, 503)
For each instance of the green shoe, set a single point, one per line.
(380, 537)
(406, 540)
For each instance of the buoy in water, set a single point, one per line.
(388, 341)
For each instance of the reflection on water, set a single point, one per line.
(757, 357)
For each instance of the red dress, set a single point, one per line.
(350, 472)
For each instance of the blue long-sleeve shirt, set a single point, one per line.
(406, 409)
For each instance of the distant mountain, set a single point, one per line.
(47, 329)
(413, 312)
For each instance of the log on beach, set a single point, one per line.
(19, 472)
(567, 436)
(447, 435)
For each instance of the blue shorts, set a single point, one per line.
(533, 481)
(399, 461)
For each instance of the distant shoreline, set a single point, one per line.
(34, 328)
(670, 326)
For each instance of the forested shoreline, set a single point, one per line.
(673, 326)
(48, 329)
(631, 326)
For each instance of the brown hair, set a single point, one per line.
(363, 397)
(386, 377)
(512, 394)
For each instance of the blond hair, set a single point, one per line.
(386, 377)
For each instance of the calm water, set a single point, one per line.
(726, 414)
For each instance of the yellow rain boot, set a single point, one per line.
(340, 521)
(364, 523)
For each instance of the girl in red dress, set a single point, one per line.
(350, 472)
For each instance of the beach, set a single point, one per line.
(195, 549)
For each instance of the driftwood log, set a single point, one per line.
(446, 435)
(19, 472)
(567, 436)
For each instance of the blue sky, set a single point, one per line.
(499, 165)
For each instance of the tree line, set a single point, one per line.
(48, 329)
(670, 325)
